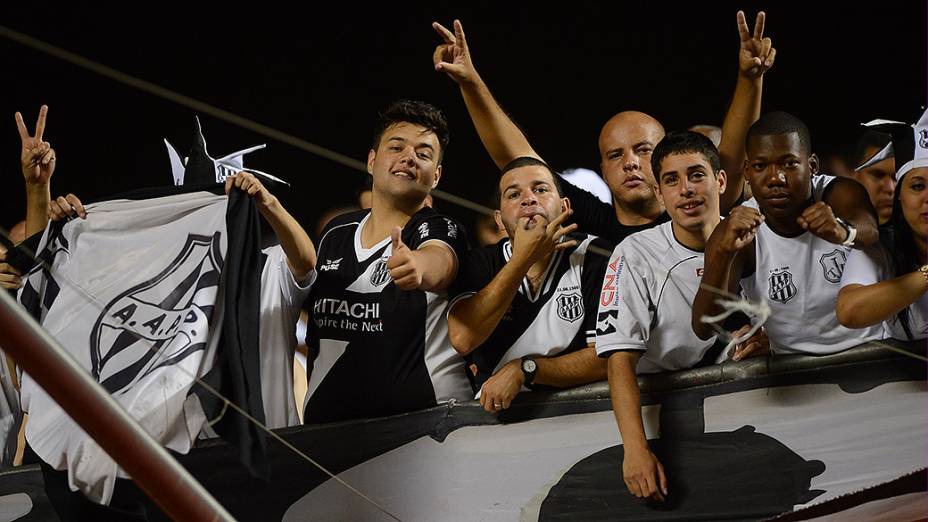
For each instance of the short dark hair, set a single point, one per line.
(775, 123)
(868, 140)
(418, 113)
(684, 142)
(528, 161)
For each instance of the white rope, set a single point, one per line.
(757, 312)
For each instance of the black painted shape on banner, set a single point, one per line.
(738, 475)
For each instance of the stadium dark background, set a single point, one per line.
(321, 72)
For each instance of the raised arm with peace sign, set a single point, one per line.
(37, 160)
(755, 57)
(757, 53)
(37, 156)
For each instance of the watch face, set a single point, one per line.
(529, 365)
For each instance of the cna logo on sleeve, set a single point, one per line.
(159, 322)
(610, 294)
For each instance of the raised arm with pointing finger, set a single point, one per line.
(503, 140)
(500, 136)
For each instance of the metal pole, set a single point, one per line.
(165, 481)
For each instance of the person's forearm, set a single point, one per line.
(472, 320)
(717, 273)
(572, 369)
(742, 113)
(626, 401)
(295, 242)
(502, 139)
(859, 306)
(868, 232)
(37, 199)
(439, 267)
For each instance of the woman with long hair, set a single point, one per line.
(887, 283)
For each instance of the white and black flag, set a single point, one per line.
(148, 295)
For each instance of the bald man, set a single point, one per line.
(625, 142)
(625, 145)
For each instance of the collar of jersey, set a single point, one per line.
(525, 287)
(365, 253)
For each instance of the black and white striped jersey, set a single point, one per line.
(376, 350)
(560, 316)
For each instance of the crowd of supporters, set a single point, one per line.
(404, 310)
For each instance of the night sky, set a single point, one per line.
(560, 71)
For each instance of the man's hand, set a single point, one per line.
(534, 237)
(757, 53)
(738, 230)
(403, 264)
(66, 207)
(250, 185)
(498, 392)
(819, 219)
(644, 474)
(453, 57)
(755, 345)
(37, 157)
(10, 278)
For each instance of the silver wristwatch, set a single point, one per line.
(851, 232)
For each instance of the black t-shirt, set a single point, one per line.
(377, 350)
(598, 218)
(560, 318)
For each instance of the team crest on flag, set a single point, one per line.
(570, 307)
(833, 265)
(380, 274)
(781, 287)
(159, 322)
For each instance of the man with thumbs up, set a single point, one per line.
(376, 338)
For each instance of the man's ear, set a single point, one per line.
(813, 164)
(723, 180)
(657, 192)
(498, 216)
(437, 176)
(745, 173)
(565, 204)
(370, 161)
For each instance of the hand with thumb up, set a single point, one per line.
(403, 265)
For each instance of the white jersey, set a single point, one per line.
(799, 278)
(870, 266)
(281, 298)
(647, 301)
